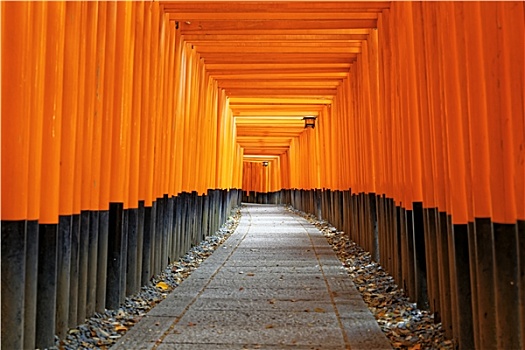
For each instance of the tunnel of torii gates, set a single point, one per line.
(131, 129)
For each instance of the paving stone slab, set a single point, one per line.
(321, 336)
(265, 292)
(257, 319)
(273, 283)
(145, 333)
(254, 280)
(173, 307)
(274, 263)
(293, 305)
(360, 329)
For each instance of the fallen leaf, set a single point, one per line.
(121, 329)
(268, 326)
(319, 309)
(191, 324)
(162, 285)
(416, 347)
(250, 274)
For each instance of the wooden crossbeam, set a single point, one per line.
(243, 37)
(266, 7)
(218, 26)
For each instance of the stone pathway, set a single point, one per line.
(274, 284)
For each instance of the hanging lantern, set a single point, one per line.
(309, 121)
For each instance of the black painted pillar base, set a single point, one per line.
(420, 259)
(473, 261)
(102, 257)
(485, 283)
(140, 241)
(171, 230)
(205, 215)
(446, 260)
(47, 285)
(91, 299)
(149, 227)
(198, 218)
(318, 204)
(184, 203)
(178, 226)
(157, 238)
(416, 292)
(13, 283)
(521, 273)
(30, 288)
(132, 280)
(83, 266)
(63, 274)
(463, 289)
(75, 271)
(399, 229)
(375, 226)
(163, 239)
(431, 246)
(115, 289)
(506, 285)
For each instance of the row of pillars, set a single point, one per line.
(277, 197)
(472, 277)
(55, 276)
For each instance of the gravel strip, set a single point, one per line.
(406, 326)
(103, 330)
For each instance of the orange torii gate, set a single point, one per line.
(130, 130)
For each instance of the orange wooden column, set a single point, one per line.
(500, 25)
(485, 334)
(176, 151)
(189, 141)
(162, 114)
(16, 127)
(104, 106)
(224, 137)
(135, 206)
(120, 145)
(36, 110)
(180, 90)
(285, 170)
(84, 236)
(448, 172)
(385, 84)
(145, 115)
(512, 45)
(157, 49)
(67, 160)
(386, 149)
(238, 173)
(137, 106)
(50, 173)
(51, 136)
